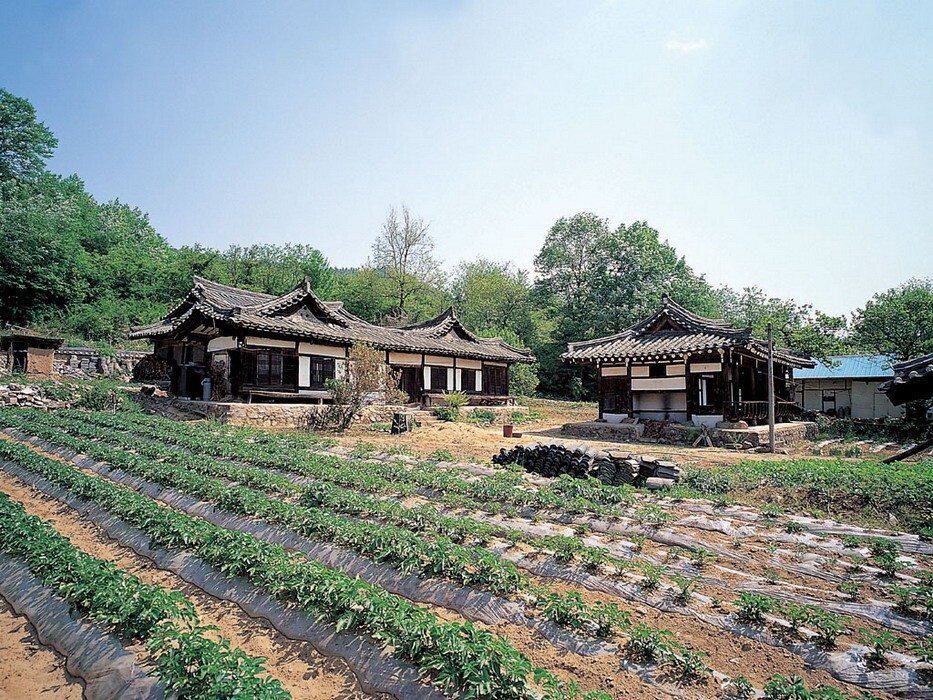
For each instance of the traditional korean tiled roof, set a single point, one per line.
(913, 380)
(300, 314)
(671, 333)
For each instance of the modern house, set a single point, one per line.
(848, 386)
(286, 347)
(680, 366)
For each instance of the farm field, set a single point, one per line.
(278, 565)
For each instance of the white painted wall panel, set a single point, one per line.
(304, 370)
(659, 384)
(640, 371)
(675, 370)
(406, 359)
(469, 364)
(269, 342)
(322, 350)
(706, 367)
(438, 361)
(614, 371)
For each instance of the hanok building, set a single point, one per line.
(679, 366)
(288, 346)
(912, 381)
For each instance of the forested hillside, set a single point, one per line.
(89, 270)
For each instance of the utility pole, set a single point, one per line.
(771, 387)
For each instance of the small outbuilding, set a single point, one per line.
(677, 365)
(847, 386)
(32, 355)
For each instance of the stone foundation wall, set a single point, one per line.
(786, 434)
(276, 415)
(598, 430)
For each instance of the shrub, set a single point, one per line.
(483, 415)
(442, 455)
(367, 376)
(456, 400)
(101, 398)
(447, 413)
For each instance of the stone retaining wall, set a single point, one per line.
(599, 430)
(275, 415)
(91, 363)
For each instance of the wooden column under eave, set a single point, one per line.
(688, 385)
(600, 388)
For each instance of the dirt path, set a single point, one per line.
(28, 669)
(306, 674)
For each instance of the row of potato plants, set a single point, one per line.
(187, 659)
(403, 549)
(383, 544)
(329, 496)
(455, 656)
(332, 497)
(505, 490)
(600, 619)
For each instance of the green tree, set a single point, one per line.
(25, 142)
(492, 295)
(596, 281)
(43, 267)
(797, 327)
(271, 269)
(898, 322)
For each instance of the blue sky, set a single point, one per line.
(786, 145)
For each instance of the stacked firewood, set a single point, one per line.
(612, 467)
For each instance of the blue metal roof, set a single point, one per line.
(849, 367)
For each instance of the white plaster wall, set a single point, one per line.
(269, 342)
(657, 383)
(322, 350)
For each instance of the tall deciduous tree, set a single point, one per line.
(25, 142)
(898, 322)
(403, 253)
(496, 296)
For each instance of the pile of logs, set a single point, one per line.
(612, 467)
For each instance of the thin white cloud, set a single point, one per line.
(685, 46)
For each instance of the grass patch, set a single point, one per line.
(902, 489)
